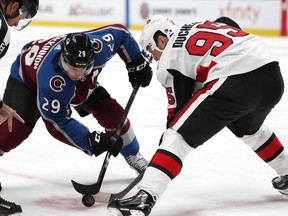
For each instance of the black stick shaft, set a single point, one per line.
(95, 188)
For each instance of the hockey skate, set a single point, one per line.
(281, 184)
(8, 208)
(140, 204)
(137, 162)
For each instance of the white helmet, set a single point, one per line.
(154, 24)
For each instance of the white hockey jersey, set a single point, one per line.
(205, 51)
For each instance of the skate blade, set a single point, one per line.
(284, 192)
(115, 212)
(136, 213)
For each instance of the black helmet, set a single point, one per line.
(31, 5)
(77, 50)
(27, 10)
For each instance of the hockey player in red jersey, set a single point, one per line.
(16, 13)
(215, 76)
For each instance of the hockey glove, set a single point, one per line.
(100, 142)
(139, 72)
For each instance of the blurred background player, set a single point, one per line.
(16, 13)
(240, 82)
(51, 76)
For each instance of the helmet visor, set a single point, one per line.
(79, 72)
(24, 18)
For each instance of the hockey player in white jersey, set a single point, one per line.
(240, 83)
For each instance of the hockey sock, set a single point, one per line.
(268, 147)
(166, 163)
(131, 145)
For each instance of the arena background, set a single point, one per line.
(263, 17)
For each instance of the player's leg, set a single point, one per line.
(202, 117)
(108, 112)
(268, 147)
(23, 100)
(259, 137)
(265, 144)
(212, 108)
(164, 166)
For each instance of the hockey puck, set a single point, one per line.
(88, 200)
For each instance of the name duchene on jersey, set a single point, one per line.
(183, 35)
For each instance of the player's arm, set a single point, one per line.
(139, 70)
(55, 108)
(179, 90)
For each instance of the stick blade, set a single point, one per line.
(86, 189)
(103, 197)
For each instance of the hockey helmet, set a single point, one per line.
(28, 9)
(77, 51)
(153, 25)
(32, 6)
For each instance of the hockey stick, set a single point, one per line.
(94, 188)
(104, 197)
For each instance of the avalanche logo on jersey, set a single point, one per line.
(56, 83)
(97, 45)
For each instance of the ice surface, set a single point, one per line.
(221, 178)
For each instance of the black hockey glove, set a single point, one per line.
(100, 142)
(139, 72)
